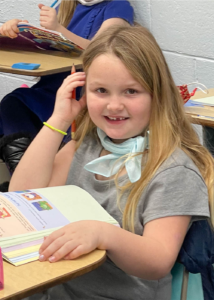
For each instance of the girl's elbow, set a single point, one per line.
(161, 271)
(155, 272)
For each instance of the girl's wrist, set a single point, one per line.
(59, 123)
(59, 27)
(105, 235)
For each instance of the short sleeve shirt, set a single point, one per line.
(177, 188)
(87, 20)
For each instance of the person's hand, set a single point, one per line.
(67, 108)
(10, 28)
(48, 17)
(72, 241)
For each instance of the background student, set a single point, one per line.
(23, 111)
(155, 184)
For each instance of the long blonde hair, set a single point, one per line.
(66, 11)
(169, 126)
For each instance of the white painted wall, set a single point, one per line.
(183, 28)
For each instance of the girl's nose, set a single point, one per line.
(115, 105)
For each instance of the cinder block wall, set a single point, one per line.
(183, 29)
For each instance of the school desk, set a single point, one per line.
(52, 62)
(201, 115)
(35, 277)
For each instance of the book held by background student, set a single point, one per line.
(31, 37)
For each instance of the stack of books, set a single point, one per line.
(26, 217)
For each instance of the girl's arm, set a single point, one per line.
(48, 20)
(84, 42)
(38, 167)
(150, 256)
(62, 164)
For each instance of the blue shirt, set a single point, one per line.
(87, 20)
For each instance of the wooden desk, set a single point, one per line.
(26, 280)
(52, 62)
(200, 115)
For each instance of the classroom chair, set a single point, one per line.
(185, 285)
(4, 173)
(193, 274)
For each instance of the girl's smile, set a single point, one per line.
(117, 103)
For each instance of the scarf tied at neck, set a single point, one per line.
(110, 164)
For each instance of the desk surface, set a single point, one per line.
(28, 279)
(200, 115)
(52, 62)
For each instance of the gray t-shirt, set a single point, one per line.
(176, 189)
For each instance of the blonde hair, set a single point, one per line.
(66, 11)
(169, 126)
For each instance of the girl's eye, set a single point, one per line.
(131, 91)
(101, 90)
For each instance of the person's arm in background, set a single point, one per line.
(84, 42)
(48, 20)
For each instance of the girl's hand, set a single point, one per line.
(10, 28)
(48, 17)
(67, 108)
(72, 241)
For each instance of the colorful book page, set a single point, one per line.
(31, 37)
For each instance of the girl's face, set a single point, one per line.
(116, 102)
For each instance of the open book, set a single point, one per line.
(31, 37)
(26, 217)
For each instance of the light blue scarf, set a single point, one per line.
(110, 164)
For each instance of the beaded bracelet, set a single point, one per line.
(55, 129)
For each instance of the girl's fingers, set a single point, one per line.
(64, 250)
(68, 88)
(9, 30)
(44, 14)
(58, 249)
(50, 239)
(15, 28)
(73, 78)
(67, 93)
(11, 33)
(77, 252)
(43, 20)
(23, 21)
(42, 7)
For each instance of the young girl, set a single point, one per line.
(75, 19)
(137, 154)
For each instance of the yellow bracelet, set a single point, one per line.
(53, 128)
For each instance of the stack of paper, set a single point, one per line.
(26, 217)
(209, 101)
